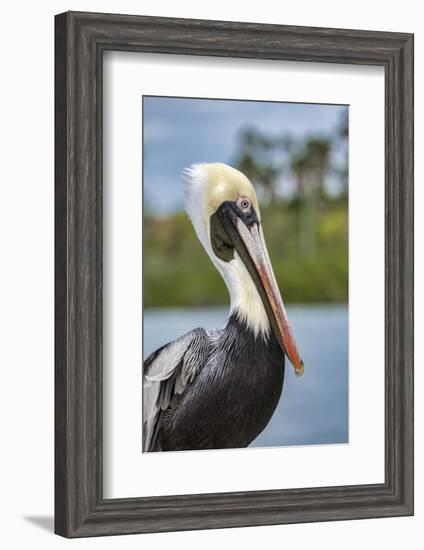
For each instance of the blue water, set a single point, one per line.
(313, 409)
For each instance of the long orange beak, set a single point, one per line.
(254, 242)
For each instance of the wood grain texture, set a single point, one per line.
(81, 39)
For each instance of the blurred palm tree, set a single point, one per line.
(310, 166)
(257, 159)
(341, 138)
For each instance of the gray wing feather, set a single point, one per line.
(167, 373)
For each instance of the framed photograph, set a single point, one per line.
(234, 274)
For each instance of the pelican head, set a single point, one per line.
(222, 205)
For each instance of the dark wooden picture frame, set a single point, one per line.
(80, 40)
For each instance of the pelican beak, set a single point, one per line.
(234, 230)
(253, 240)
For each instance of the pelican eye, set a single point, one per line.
(244, 204)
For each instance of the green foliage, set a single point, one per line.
(178, 272)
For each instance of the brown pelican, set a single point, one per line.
(218, 389)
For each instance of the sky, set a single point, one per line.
(178, 132)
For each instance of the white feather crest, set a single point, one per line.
(195, 180)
